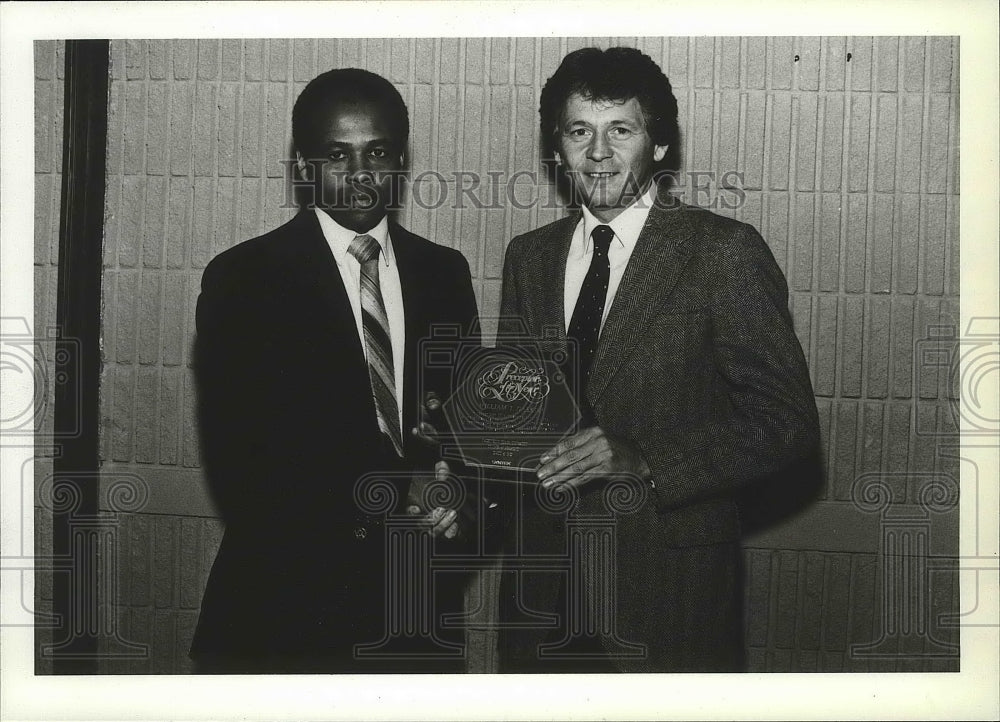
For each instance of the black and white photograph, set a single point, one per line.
(374, 367)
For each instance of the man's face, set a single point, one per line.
(357, 164)
(607, 152)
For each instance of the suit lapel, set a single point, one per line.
(411, 278)
(336, 331)
(661, 252)
(321, 274)
(551, 303)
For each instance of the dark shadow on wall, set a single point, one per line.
(778, 498)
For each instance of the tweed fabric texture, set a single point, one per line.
(697, 367)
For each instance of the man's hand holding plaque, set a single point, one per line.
(590, 454)
(440, 520)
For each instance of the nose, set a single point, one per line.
(359, 169)
(599, 148)
(355, 164)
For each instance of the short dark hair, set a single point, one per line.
(616, 74)
(338, 85)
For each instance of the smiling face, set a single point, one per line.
(355, 164)
(607, 152)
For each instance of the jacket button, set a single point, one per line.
(360, 532)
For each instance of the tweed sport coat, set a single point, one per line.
(698, 366)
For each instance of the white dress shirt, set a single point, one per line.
(339, 239)
(627, 226)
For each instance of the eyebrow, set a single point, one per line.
(376, 141)
(616, 121)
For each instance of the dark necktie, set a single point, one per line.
(378, 342)
(585, 326)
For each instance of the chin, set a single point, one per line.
(599, 197)
(358, 220)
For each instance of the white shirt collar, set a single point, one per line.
(340, 238)
(627, 225)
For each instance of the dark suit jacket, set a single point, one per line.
(698, 366)
(288, 425)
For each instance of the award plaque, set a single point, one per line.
(509, 406)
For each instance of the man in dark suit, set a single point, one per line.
(309, 374)
(690, 378)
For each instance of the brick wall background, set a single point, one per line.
(49, 72)
(849, 150)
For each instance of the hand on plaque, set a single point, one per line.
(427, 430)
(439, 521)
(587, 455)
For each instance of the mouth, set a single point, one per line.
(598, 175)
(361, 201)
(359, 204)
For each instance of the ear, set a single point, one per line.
(304, 169)
(558, 158)
(659, 151)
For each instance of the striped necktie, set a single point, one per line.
(378, 342)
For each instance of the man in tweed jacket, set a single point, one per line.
(695, 387)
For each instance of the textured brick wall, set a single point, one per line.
(849, 150)
(49, 66)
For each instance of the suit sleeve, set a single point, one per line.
(230, 440)
(772, 419)
(468, 307)
(456, 306)
(511, 322)
(463, 310)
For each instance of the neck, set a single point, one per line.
(606, 215)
